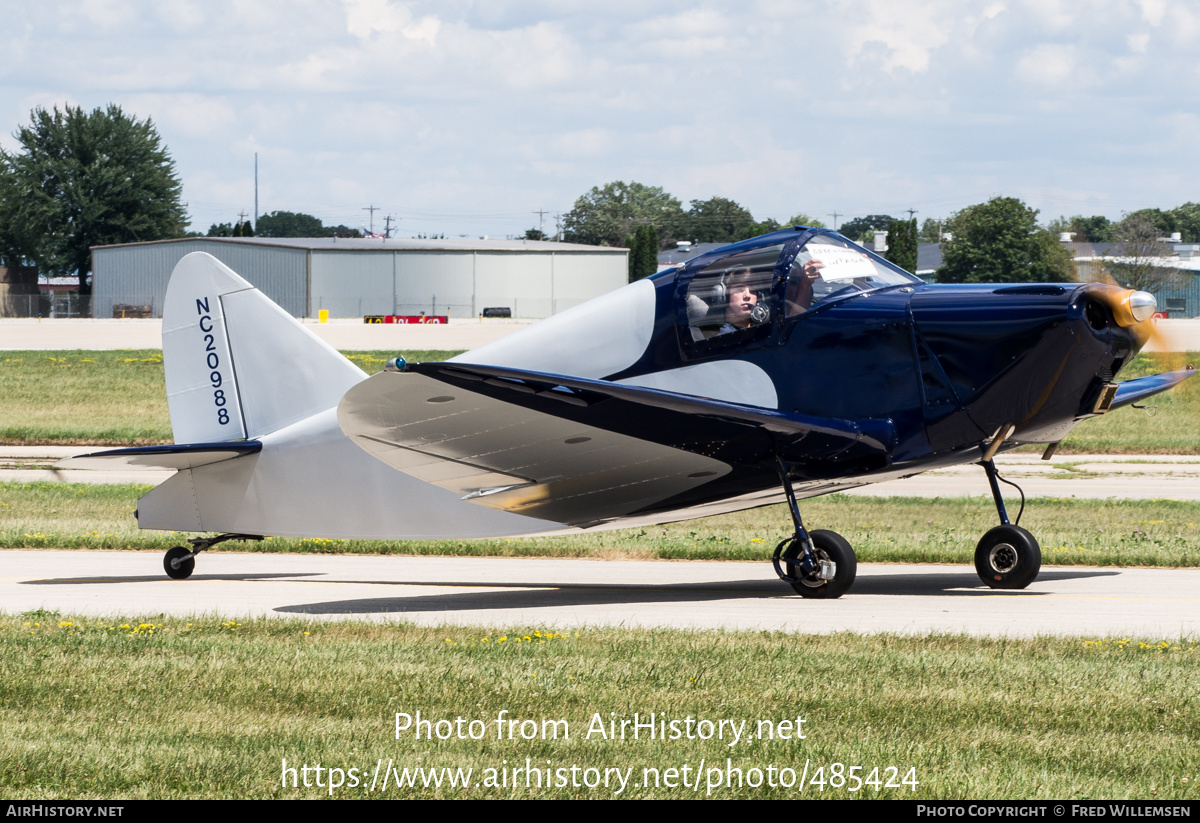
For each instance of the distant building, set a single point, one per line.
(355, 277)
(683, 252)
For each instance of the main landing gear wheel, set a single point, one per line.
(828, 547)
(1008, 557)
(179, 563)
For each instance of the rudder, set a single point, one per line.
(236, 365)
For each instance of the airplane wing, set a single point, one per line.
(573, 450)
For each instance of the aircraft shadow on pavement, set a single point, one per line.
(535, 595)
(158, 578)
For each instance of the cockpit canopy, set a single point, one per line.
(760, 287)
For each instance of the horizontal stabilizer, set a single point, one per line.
(1131, 391)
(187, 456)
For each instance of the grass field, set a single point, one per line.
(104, 397)
(911, 530)
(152, 707)
(212, 708)
(118, 398)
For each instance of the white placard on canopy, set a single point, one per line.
(841, 263)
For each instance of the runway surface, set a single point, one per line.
(524, 592)
(1136, 477)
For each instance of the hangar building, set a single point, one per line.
(353, 277)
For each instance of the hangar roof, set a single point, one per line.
(376, 244)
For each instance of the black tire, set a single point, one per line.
(185, 567)
(828, 546)
(1008, 557)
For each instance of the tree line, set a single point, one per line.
(90, 178)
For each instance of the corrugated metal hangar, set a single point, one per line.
(354, 277)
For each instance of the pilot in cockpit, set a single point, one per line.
(742, 302)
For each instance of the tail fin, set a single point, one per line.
(237, 366)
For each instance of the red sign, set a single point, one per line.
(420, 319)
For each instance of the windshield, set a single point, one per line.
(830, 266)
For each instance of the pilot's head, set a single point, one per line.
(739, 289)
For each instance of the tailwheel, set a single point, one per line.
(831, 571)
(1008, 557)
(179, 563)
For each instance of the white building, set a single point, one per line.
(353, 277)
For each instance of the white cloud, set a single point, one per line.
(458, 107)
(1050, 65)
(909, 32)
(1153, 11)
(367, 17)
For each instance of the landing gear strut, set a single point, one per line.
(1008, 557)
(817, 564)
(179, 562)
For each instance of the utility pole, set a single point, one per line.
(387, 226)
(835, 216)
(911, 212)
(541, 213)
(558, 227)
(256, 188)
(372, 210)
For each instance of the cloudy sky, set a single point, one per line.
(467, 117)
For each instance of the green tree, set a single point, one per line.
(643, 252)
(718, 220)
(802, 219)
(83, 179)
(1000, 242)
(1187, 221)
(902, 244)
(931, 230)
(858, 227)
(606, 216)
(1136, 257)
(535, 234)
(1163, 221)
(1094, 229)
(290, 224)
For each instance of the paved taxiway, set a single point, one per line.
(517, 592)
(1137, 477)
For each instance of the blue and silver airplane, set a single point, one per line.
(784, 367)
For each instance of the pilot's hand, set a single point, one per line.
(812, 270)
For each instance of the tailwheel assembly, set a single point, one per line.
(179, 562)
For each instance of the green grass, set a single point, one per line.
(104, 397)
(172, 708)
(892, 530)
(1174, 427)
